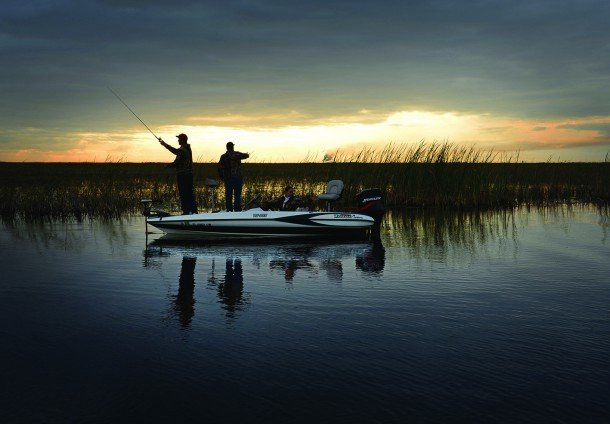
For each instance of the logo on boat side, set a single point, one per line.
(370, 199)
(196, 224)
(260, 215)
(344, 215)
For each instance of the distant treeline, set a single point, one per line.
(78, 190)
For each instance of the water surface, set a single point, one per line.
(499, 316)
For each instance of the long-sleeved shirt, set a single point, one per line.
(230, 164)
(184, 158)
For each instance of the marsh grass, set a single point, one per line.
(439, 176)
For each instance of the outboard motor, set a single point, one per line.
(370, 202)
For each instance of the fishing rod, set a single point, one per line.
(134, 114)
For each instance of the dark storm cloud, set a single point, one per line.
(536, 59)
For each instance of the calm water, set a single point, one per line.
(496, 317)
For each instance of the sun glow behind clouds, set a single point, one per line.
(293, 143)
(271, 138)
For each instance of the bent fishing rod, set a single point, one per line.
(134, 114)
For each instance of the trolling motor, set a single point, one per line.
(146, 206)
(147, 209)
(148, 212)
(370, 202)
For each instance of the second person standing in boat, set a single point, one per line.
(229, 170)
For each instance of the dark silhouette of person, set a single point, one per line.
(229, 171)
(288, 201)
(230, 292)
(184, 173)
(184, 303)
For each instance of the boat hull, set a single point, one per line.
(256, 223)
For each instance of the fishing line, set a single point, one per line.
(134, 114)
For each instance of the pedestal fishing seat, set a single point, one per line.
(334, 188)
(211, 184)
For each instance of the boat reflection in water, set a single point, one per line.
(372, 260)
(280, 261)
(289, 266)
(368, 257)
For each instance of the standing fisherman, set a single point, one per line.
(184, 173)
(229, 170)
(183, 164)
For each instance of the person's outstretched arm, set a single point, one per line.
(168, 147)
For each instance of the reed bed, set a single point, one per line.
(439, 176)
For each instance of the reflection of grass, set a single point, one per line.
(436, 232)
(442, 233)
(441, 176)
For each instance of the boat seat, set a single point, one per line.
(334, 188)
(211, 184)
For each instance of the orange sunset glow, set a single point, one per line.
(273, 139)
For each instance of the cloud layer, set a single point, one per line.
(175, 61)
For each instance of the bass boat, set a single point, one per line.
(259, 223)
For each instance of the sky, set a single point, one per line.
(296, 80)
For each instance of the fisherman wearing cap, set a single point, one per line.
(184, 173)
(229, 170)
